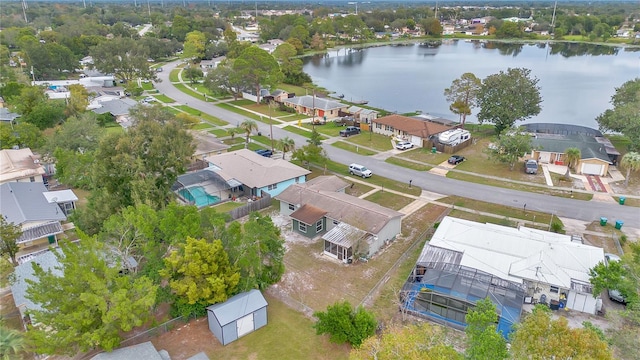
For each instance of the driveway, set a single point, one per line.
(563, 207)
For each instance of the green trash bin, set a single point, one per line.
(619, 224)
(603, 221)
(434, 150)
(621, 200)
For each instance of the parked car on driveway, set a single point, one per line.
(531, 167)
(455, 159)
(404, 145)
(349, 130)
(264, 152)
(614, 294)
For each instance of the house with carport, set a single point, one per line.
(404, 128)
(594, 156)
(348, 226)
(38, 212)
(251, 174)
(321, 108)
(466, 261)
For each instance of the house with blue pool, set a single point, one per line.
(252, 175)
(466, 261)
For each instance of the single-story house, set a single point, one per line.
(207, 145)
(206, 65)
(24, 204)
(550, 149)
(349, 226)
(119, 108)
(239, 315)
(20, 165)
(8, 117)
(321, 107)
(252, 174)
(466, 261)
(404, 128)
(362, 115)
(23, 272)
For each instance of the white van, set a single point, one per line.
(359, 170)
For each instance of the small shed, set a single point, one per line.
(238, 316)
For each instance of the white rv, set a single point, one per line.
(454, 137)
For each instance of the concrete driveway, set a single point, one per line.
(563, 207)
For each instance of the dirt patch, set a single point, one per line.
(188, 340)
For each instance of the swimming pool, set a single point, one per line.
(198, 196)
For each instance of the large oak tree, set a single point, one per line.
(625, 115)
(507, 97)
(258, 68)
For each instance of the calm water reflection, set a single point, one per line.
(576, 80)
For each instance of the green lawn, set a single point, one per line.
(227, 206)
(186, 90)
(242, 102)
(424, 156)
(165, 99)
(371, 140)
(239, 111)
(329, 129)
(147, 85)
(263, 140)
(114, 129)
(202, 126)
(353, 148)
(389, 200)
(214, 120)
(297, 130)
(408, 164)
(219, 132)
(173, 76)
(189, 110)
(501, 210)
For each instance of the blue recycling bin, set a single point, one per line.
(619, 224)
(603, 221)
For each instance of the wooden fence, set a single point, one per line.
(250, 207)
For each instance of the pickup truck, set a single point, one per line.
(349, 130)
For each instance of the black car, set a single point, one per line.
(349, 130)
(455, 159)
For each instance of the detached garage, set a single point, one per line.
(238, 316)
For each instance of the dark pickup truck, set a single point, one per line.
(349, 130)
(264, 152)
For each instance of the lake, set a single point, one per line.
(577, 80)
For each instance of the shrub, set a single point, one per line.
(344, 324)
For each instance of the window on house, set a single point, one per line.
(554, 289)
(336, 222)
(302, 227)
(292, 207)
(272, 186)
(319, 226)
(32, 179)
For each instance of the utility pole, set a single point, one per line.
(271, 126)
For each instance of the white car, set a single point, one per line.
(404, 145)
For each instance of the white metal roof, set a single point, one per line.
(517, 253)
(60, 196)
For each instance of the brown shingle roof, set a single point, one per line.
(308, 214)
(416, 127)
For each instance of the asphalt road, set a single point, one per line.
(563, 207)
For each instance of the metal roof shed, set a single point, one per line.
(238, 316)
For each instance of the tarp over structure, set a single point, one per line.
(561, 129)
(201, 177)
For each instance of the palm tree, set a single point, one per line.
(248, 126)
(287, 144)
(234, 131)
(11, 343)
(631, 162)
(572, 155)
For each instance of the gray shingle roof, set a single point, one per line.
(22, 202)
(319, 103)
(363, 214)
(116, 107)
(142, 351)
(24, 271)
(238, 306)
(589, 147)
(254, 170)
(6, 115)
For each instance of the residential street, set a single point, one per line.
(562, 207)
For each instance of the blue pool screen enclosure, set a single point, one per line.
(444, 292)
(202, 188)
